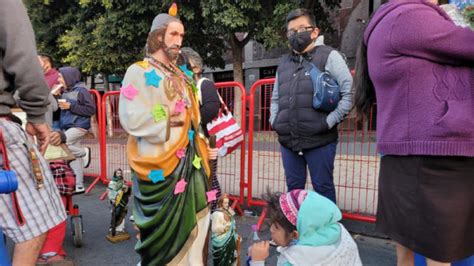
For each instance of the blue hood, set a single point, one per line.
(317, 221)
(71, 75)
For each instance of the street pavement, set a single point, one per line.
(99, 251)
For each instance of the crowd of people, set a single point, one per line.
(420, 76)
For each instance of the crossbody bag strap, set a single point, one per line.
(320, 56)
(5, 165)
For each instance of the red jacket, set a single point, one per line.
(51, 77)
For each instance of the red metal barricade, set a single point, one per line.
(231, 168)
(113, 139)
(264, 162)
(355, 167)
(93, 140)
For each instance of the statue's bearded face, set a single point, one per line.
(167, 38)
(173, 39)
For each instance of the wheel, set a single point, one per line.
(77, 231)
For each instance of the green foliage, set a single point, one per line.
(273, 33)
(107, 36)
(107, 42)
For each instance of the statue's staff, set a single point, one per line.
(213, 166)
(212, 161)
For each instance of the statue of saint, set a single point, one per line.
(118, 194)
(167, 151)
(225, 240)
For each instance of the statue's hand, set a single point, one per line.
(212, 152)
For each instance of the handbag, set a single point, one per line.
(228, 133)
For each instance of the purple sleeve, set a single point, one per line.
(84, 106)
(423, 32)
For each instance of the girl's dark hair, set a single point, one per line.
(275, 213)
(364, 91)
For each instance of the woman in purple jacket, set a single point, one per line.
(417, 65)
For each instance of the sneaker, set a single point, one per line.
(131, 219)
(87, 158)
(79, 190)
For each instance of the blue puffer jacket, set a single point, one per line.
(82, 105)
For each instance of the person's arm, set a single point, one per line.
(210, 102)
(422, 32)
(53, 102)
(17, 43)
(85, 105)
(274, 107)
(136, 114)
(57, 137)
(337, 67)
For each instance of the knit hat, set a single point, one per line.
(290, 203)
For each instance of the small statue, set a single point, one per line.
(225, 240)
(118, 194)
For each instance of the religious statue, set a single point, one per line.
(225, 240)
(167, 151)
(118, 193)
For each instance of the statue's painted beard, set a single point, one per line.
(171, 52)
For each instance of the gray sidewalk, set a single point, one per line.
(98, 251)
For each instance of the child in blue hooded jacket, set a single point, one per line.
(306, 229)
(77, 107)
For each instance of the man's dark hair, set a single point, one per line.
(48, 58)
(301, 12)
(275, 213)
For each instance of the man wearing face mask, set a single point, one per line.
(308, 137)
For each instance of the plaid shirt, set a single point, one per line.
(63, 177)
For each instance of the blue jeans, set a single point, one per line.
(320, 162)
(56, 125)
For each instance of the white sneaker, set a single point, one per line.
(131, 219)
(87, 158)
(79, 190)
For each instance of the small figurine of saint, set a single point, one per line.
(118, 193)
(225, 240)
